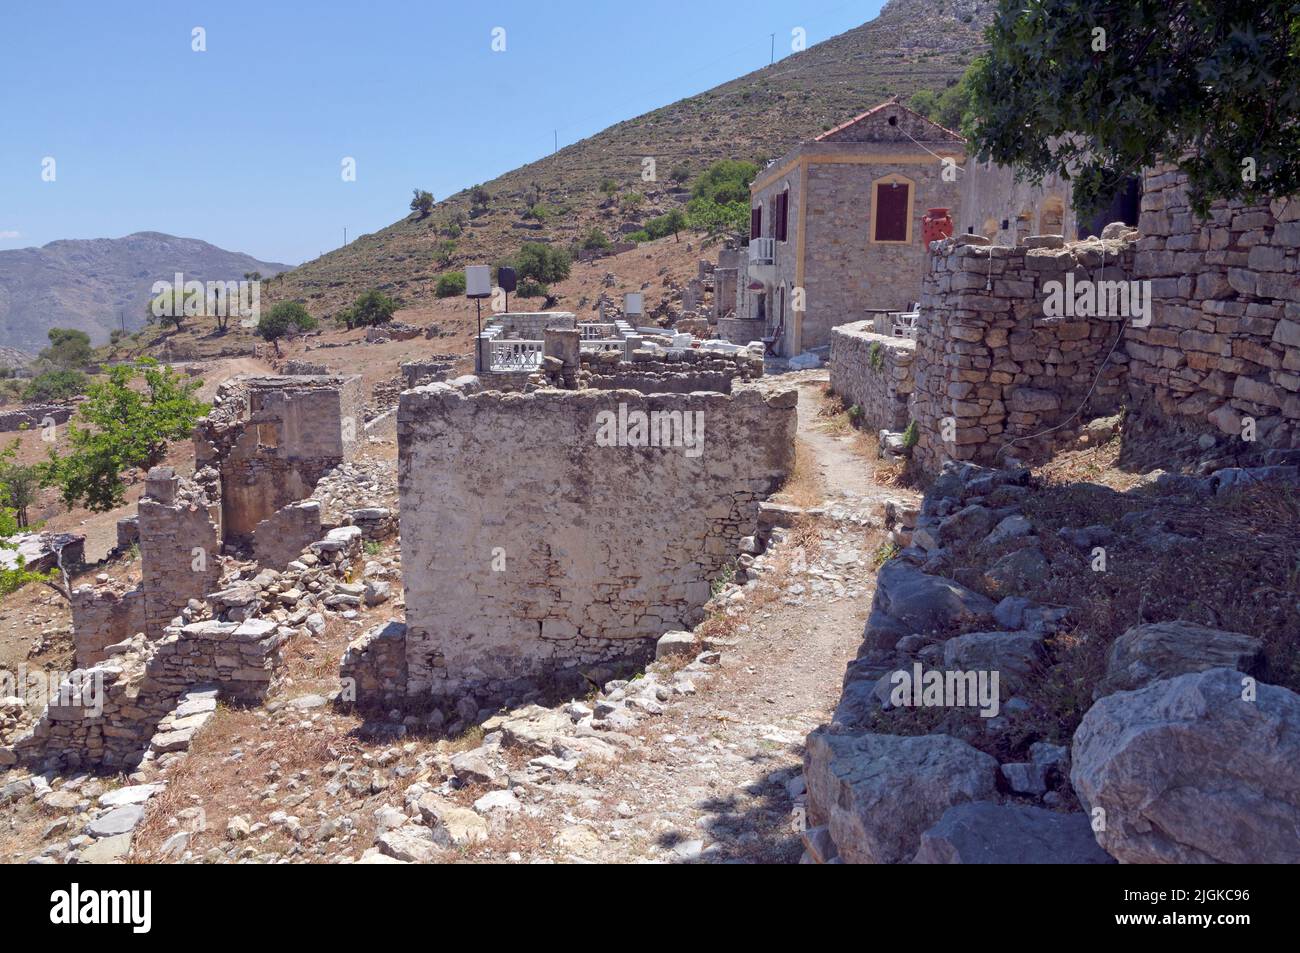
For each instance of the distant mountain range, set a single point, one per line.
(97, 284)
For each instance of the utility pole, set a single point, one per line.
(557, 140)
(773, 60)
(345, 234)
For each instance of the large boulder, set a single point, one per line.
(1186, 770)
(1013, 655)
(1147, 653)
(908, 600)
(878, 793)
(981, 832)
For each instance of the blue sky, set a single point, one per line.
(242, 145)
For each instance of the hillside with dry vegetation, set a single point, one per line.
(912, 45)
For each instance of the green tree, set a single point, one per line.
(286, 318)
(664, 225)
(608, 187)
(422, 202)
(55, 385)
(730, 220)
(126, 421)
(680, 173)
(479, 198)
(544, 263)
(371, 308)
(69, 349)
(450, 284)
(1100, 89)
(18, 484)
(725, 181)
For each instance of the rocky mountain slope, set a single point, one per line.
(94, 284)
(912, 45)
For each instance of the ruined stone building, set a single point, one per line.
(271, 439)
(551, 536)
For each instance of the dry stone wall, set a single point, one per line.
(995, 374)
(531, 552)
(874, 373)
(1224, 341)
(179, 547)
(103, 616)
(273, 438)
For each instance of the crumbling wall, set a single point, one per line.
(674, 372)
(101, 617)
(180, 542)
(873, 372)
(538, 538)
(279, 538)
(1224, 341)
(273, 438)
(994, 374)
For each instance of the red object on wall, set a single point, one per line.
(936, 224)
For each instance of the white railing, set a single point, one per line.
(762, 251)
(592, 331)
(513, 355)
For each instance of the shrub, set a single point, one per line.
(56, 385)
(725, 181)
(450, 284)
(283, 320)
(69, 348)
(596, 240)
(543, 263)
(371, 308)
(528, 288)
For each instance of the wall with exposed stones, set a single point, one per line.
(674, 372)
(1224, 342)
(995, 375)
(272, 438)
(103, 616)
(179, 546)
(531, 552)
(874, 373)
(279, 538)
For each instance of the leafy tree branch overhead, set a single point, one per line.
(1097, 90)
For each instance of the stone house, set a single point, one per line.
(838, 222)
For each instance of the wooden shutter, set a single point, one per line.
(756, 222)
(782, 215)
(891, 211)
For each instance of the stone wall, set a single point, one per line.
(179, 547)
(529, 325)
(1224, 342)
(844, 271)
(102, 617)
(279, 538)
(675, 372)
(1005, 210)
(991, 368)
(531, 552)
(874, 373)
(33, 418)
(272, 438)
